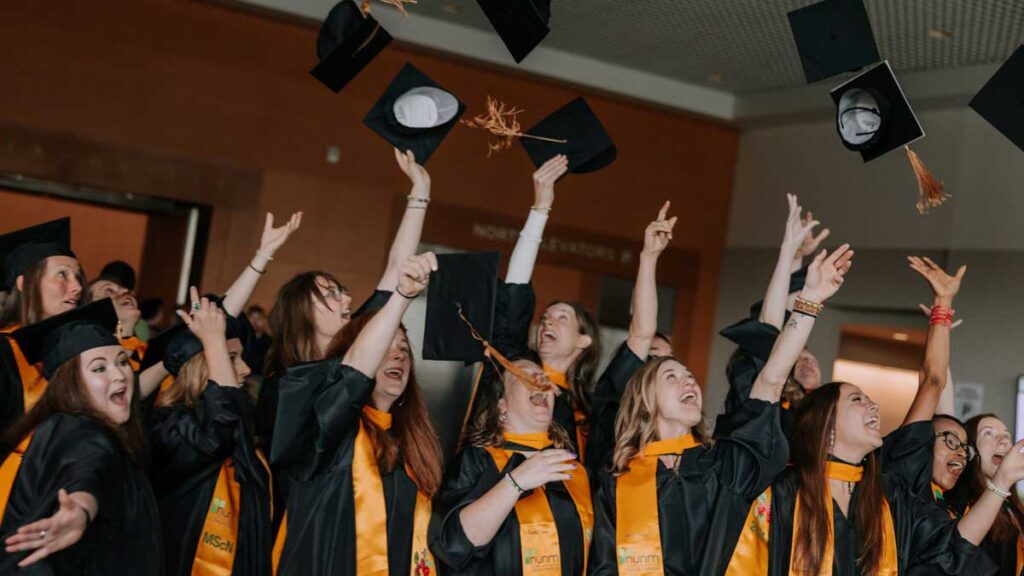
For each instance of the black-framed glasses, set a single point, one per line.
(954, 443)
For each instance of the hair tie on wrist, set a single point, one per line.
(403, 294)
(256, 270)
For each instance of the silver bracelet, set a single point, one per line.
(1004, 494)
(512, 482)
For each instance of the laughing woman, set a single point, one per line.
(72, 491)
(43, 278)
(355, 439)
(212, 485)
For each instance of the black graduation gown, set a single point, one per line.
(12, 394)
(319, 408)
(77, 454)
(1003, 553)
(743, 464)
(755, 340)
(471, 475)
(927, 539)
(188, 449)
(604, 408)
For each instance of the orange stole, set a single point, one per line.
(32, 382)
(136, 350)
(9, 472)
(638, 526)
(538, 535)
(579, 417)
(751, 553)
(218, 540)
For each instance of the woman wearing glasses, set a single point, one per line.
(951, 454)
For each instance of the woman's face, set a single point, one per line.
(660, 347)
(59, 286)
(858, 425)
(525, 410)
(993, 443)
(558, 334)
(331, 315)
(807, 370)
(947, 463)
(108, 381)
(393, 374)
(242, 370)
(679, 397)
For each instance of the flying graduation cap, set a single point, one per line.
(1001, 101)
(414, 113)
(349, 39)
(873, 117)
(833, 37)
(464, 286)
(521, 24)
(573, 130)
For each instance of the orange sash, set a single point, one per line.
(136, 350)
(637, 527)
(538, 534)
(215, 553)
(9, 472)
(751, 554)
(579, 417)
(32, 382)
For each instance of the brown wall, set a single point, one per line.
(203, 103)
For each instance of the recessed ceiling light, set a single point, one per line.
(937, 34)
(451, 8)
(902, 337)
(716, 77)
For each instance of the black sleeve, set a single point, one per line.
(375, 302)
(512, 326)
(317, 406)
(755, 340)
(755, 451)
(603, 561)
(605, 406)
(11, 391)
(89, 462)
(936, 546)
(906, 457)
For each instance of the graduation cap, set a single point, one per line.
(156, 347)
(465, 285)
(1001, 101)
(796, 283)
(573, 130)
(22, 249)
(873, 117)
(347, 42)
(833, 37)
(414, 113)
(60, 338)
(120, 273)
(521, 24)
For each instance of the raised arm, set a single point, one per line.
(407, 239)
(524, 255)
(206, 321)
(273, 238)
(935, 369)
(644, 323)
(978, 520)
(824, 277)
(370, 347)
(799, 236)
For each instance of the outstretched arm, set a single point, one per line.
(273, 238)
(407, 239)
(976, 523)
(644, 323)
(524, 255)
(60, 531)
(799, 236)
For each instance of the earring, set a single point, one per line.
(401, 400)
(502, 418)
(831, 440)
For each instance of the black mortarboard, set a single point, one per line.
(21, 249)
(521, 24)
(833, 37)
(120, 273)
(156, 347)
(347, 42)
(183, 345)
(796, 283)
(587, 145)
(873, 116)
(414, 113)
(468, 281)
(60, 338)
(1001, 101)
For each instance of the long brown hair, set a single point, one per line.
(413, 432)
(637, 422)
(187, 386)
(815, 418)
(25, 306)
(292, 324)
(65, 392)
(971, 486)
(580, 375)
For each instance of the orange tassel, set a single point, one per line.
(501, 121)
(931, 193)
(399, 4)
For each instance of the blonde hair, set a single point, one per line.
(187, 386)
(636, 424)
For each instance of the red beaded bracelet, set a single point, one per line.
(942, 316)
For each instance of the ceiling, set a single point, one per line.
(722, 58)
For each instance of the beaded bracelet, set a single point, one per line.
(413, 199)
(541, 209)
(807, 307)
(1004, 494)
(941, 316)
(512, 482)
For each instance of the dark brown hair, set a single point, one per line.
(580, 375)
(65, 392)
(292, 324)
(815, 418)
(413, 433)
(25, 306)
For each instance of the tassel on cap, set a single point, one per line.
(931, 192)
(399, 4)
(537, 383)
(501, 121)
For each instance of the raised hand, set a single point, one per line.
(544, 180)
(826, 274)
(204, 319)
(943, 285)
(417, 174)
(798, 229)
(543, 467)
(274, 238)
(659, 232)
(52, 534)
(414, 274)
(811, 242)
(1011, 470)
(928, 312)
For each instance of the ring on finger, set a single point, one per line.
(195, 306)
(42, 534)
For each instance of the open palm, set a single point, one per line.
(944, 285)
(274, 238)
